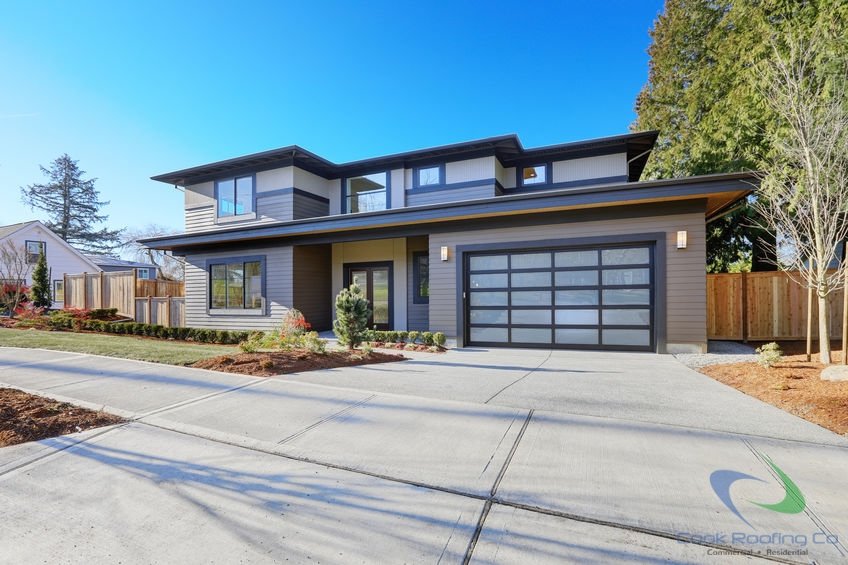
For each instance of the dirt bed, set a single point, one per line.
(793, 385)
(282, 362)
(26, 417)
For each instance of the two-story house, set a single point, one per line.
(491, 243)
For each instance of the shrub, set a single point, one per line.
(40, 290)
(102, 313)
(440, 339)
(249, 346)
(313, 343)
(294, 322)
(367, 349)
(352, 311)
(427, 338)
(769, 354)
(413, 336)
(403, 336)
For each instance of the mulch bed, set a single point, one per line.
(282, 362)
(26, 417)
(793, 385)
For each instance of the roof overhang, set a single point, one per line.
(507, 148)
(718, 192)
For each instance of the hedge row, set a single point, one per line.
(427, 338)
(199, 335)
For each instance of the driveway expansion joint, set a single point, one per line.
(522, 377)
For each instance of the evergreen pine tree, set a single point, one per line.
(40, 290)
(72, 203)
(352, 312)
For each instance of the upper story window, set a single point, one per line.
(143, 273)
(33, 250)
(534, 174)
(367, 193)
(235, 196)
(429, 176)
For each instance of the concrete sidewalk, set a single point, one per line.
(269, 469)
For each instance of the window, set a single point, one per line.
(143, 273)
(236, 285)
(33, 250)
(59, 290)
(535, 174)
(367, 193)
(428, 176)
(235, 196)
(421, 277)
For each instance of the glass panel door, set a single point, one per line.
(375, 280)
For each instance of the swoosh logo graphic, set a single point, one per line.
(793, 499)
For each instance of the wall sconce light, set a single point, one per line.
(682, 236)
(444, 252)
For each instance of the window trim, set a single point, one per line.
(234, 216)
(261, 311)
(416, 275)
(26, 250)
(416, 181)
(519, 175)
(344, 188)
(55, 296)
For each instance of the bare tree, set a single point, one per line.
(804, 191)
(13, 272)
(171, 267)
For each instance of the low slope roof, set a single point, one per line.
(111, 261)
(507, 148)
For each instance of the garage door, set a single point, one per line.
(573, 298)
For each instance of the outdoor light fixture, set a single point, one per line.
(444, 252)
(681, 239)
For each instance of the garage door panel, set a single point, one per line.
(591, 298)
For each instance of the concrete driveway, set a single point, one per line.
(485, 457)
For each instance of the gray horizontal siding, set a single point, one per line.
(198, 219)
(686, 293)
(417, 315)
(313, 284)
(416, 198)
(278, 283)
(276, 208)
(306, 207)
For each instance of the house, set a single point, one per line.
(487, 241)
(109, 264)
(34, 238)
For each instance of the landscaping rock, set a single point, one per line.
(835, 373)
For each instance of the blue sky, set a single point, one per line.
(135, 89)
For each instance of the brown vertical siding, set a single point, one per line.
(313, 284)
(686, 296)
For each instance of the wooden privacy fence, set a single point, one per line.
(764, 307)
(147, 301)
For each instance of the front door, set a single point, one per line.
(375, 280)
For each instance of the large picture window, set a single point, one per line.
(33, 250)
(366, 193)
(236, 285)
(421, 277)
(235, 196)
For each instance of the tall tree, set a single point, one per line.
(711, 116)
(73, 204)
(805, 186)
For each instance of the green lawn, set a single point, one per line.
(128, 347)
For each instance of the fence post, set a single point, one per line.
(744, 307)
(133, 295)
(149, 309)
(168, 316)
(85, 291)
(102, 291)
(844, 319)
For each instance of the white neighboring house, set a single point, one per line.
(61, 257)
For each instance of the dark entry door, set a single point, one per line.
(375, 279)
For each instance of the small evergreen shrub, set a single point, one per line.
(413, 336)
(352, 311)
(427, 338)
(769, 354)
(439, 339)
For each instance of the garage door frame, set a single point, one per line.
(656, 239)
